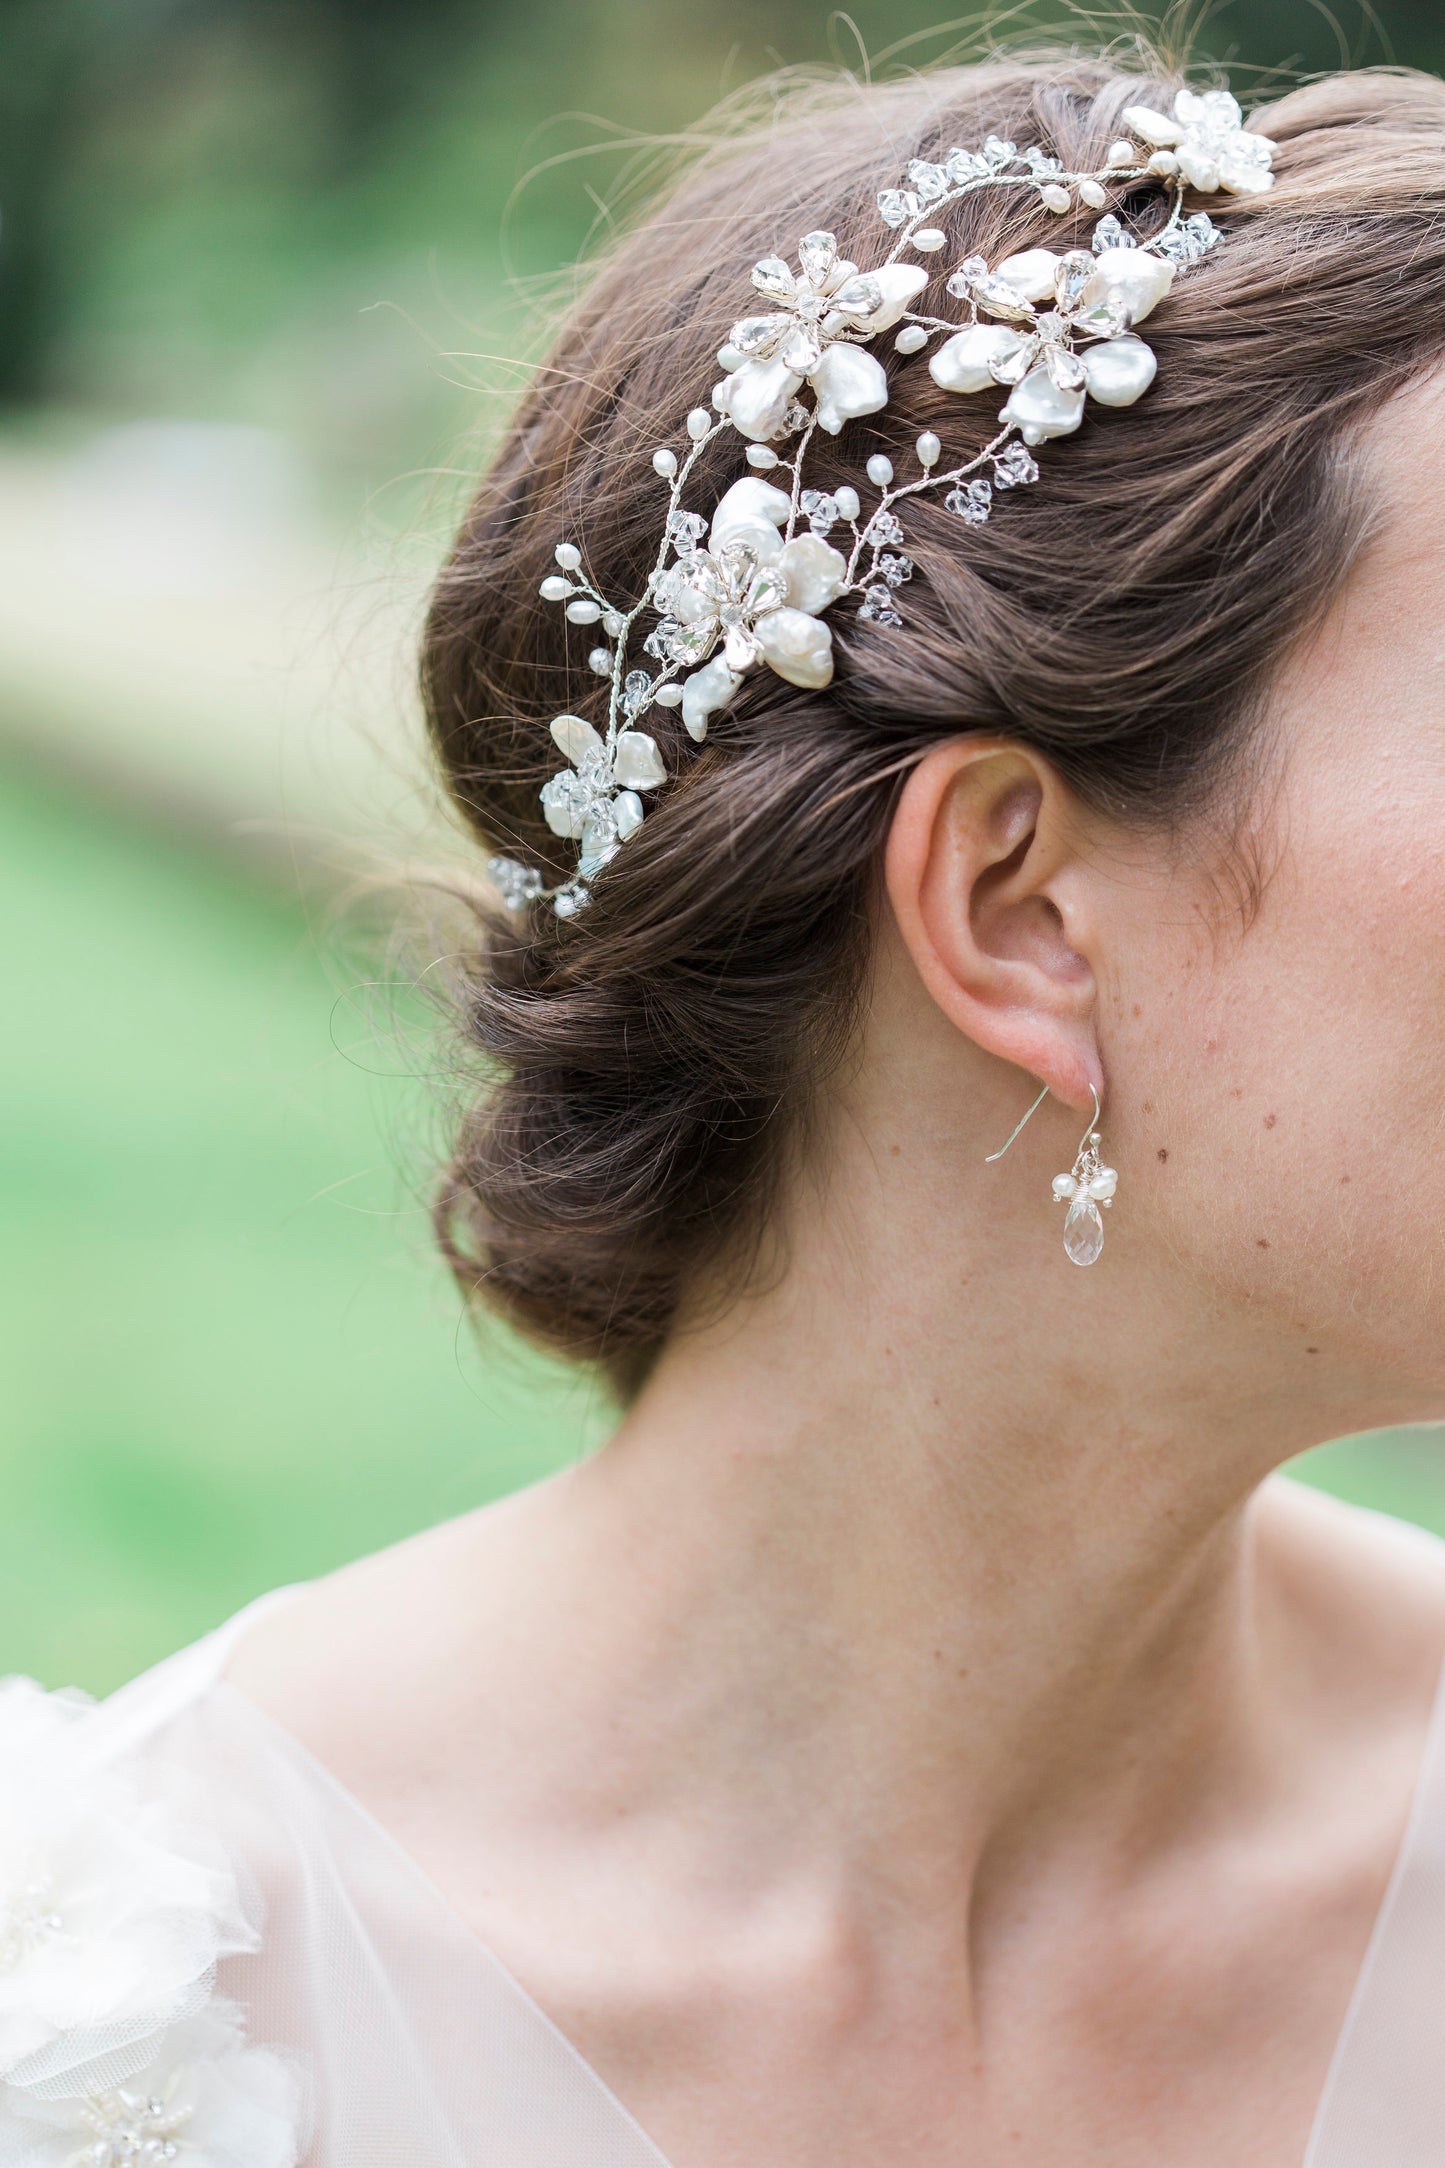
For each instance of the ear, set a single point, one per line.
(992, 898)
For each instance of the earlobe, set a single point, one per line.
(979, 855)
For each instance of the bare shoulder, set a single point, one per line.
(364, 1665)
(1368, 1589)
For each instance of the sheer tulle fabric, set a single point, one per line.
(420, 2048)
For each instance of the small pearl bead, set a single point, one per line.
(730, 358)
(668, 696)
(1091, 193)
(1057, 199)
(554, 588)
(762, 455)
(1065, 1185)
(846, 500)
(1165, 163)
(698, 423)
(568, 556)
(1122, 154)
(880, 470)
(612, 623)
(911, 339)
(665, 464)
(930, 239)
(583, 612)
(928, 449)
(600, 660)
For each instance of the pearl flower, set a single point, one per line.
(596, 798)
(812, 333)
(112, 1913)
(202, 2098)
(1035, 352)
(1207, 135)
(752, 594)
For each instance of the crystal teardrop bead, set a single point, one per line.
(1083, 1231)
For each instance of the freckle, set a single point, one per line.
(1343, 1179)
(1148, 1106)
(1236, 1091)
(1163, 1155)
(1261, 1244)
(1136, 1010)
(895, 1149)
(1211, 1046)
(1270, 1120)
(1311, 1351)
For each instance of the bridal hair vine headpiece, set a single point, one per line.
(749, 586)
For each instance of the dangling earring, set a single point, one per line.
(1090, 1185)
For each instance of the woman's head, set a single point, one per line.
(1098, 695)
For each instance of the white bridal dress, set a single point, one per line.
(211, 1954)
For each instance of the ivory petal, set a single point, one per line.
(627, 813)
(637, 764)
(798, 647)
(1239, 177)
(901, 284)
(1119, 371)
(749, 506)
(756, 397)
(575, 737)
(962, 362)
(815, 573)
(1155, 128)
(1041, 405)
(1031, 273)
(1133, 275)
(707, 690)
(1199, 168)
(848, 382)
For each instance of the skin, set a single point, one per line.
(926, 1731)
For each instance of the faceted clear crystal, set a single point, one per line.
(1110, 234)
(1083, 1231)
(1013, 467)
(636, 686)
(931, 181)
(897, 205)
(972, 502)
(685, 530)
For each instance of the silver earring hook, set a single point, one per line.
(1094, 1123)
(990, 1157)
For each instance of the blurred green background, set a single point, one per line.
(263, 265)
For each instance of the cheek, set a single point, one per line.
(1283, 1088)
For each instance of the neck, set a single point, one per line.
(933, 1538)
(925, 1562)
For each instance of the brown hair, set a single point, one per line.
(654, 1058)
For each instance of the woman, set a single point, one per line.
(926, 1730)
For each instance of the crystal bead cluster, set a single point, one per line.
(1090, 1185)
(746, 588)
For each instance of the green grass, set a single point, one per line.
(229, 1358)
